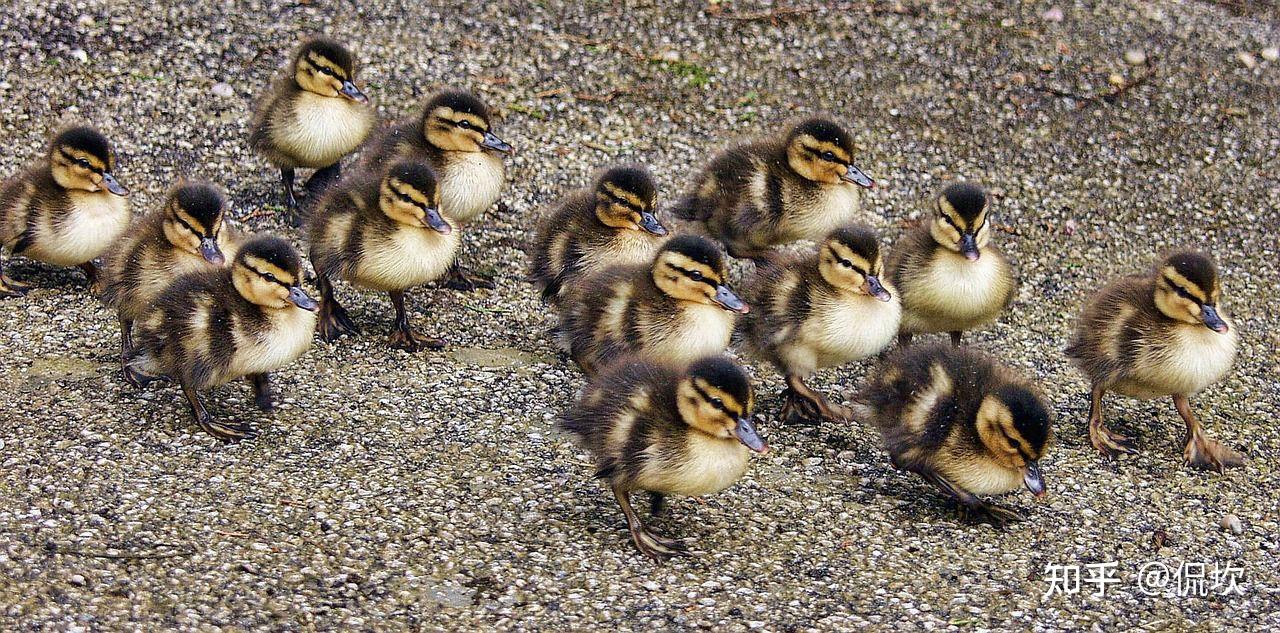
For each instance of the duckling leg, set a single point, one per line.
(1109, 443)
(91, 273)
(225, 431)
(1200, 451)
(657, 503)
(955, 339)
(290, 201)
(404, 337)
(9, 287)
(334, 320)
(655, 547)
(971, 507)
(459, 278)
(262, 394)
(806, 405)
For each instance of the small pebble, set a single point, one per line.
(1054, 14)
(1270, 53)
(80, 56)
(1248, 60)
(1232, 522)
(1116, 79)
(1135, 57)
(223, 90)
(77, 580)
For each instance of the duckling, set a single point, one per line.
(66, 209)
(613, 222)
(677, 309)
(799, 185)
(652, 426)
(210, 327)
(949, 277)
(312, 116)
(188, 234)
(822, 310)
(453, 134)
(965, 423)
(1159, 334)
(383, 233)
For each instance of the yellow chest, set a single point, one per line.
(286, 338)
(322, 129)
(470, 184)
(95, 221)
(700, 330)
(834, 206)
(1193, 358)
(409, 257)
(847, 328)
(707, 466)
(955, 294)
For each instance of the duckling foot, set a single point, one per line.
(1202, 452)
(226, 431)
(657, 548)
(10, 288)
(262, 394)
(410, 342)
(1109, 443)
(140, 380)
(990, 512)
(93, 277)
(796, 409)
(335, 322)
(459, 278)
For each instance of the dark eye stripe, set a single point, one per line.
(707, 398)
(75, 159)
(263, 275)
(189, 227)
(623, 201)
(689, 273)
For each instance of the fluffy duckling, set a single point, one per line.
(188, 234)
(66, 209)
(211, 327)
(1158, 334)
(948, 276)
(613, 222)
(453, 134)
(799, 185)
(313, 116)
(653, 427)
(382, 233)
(822, 310)
(966, 424)
(677, 309)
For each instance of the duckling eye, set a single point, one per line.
(695, 275)
(1184, 294)
(270, 277)
(466, 125)
(82, 162)
(717, 403)
(828, 156)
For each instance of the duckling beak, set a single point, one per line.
(651, 224)
(494, 143)
(298, 297)
(1209, 315)
(210, 252)
(746, 433)
(113, 185)
(433, 220)
(1033, 479)
(854, 175)
(874, 288)
(350, 91)
(729, 301)
(969, 247)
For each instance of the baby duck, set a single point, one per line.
(677, 309)
(1159, 334)
(948, 277)
(382, 233)
(653, 427)
(613, 222)
(188, 234)
(66, 209)
(211, 327)
(313, 116)
(966, 424)
(822, 310)
(797, 186)
(453, 135)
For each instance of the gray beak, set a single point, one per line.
(494, 143)
(350, 91)
(875, 289)
(436, 222)
(729, 301)
(298, 297)
(1033, 479)
(113, 185)
(650, 223)
(969, 247)
(746, 433)
(854, 175)
(210, 252)
(1209, 315)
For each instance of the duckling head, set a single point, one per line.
(714, 397)
(268, 272)
(193, 218)
(960, 223)
(850, 259)
(459, 121)
(1014, 426)
(692, 268)
(325, 67)
(1188, 290)
(410, 194)
(81, 158)
(820, 150)
(625, 198)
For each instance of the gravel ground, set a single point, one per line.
(430, 491)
